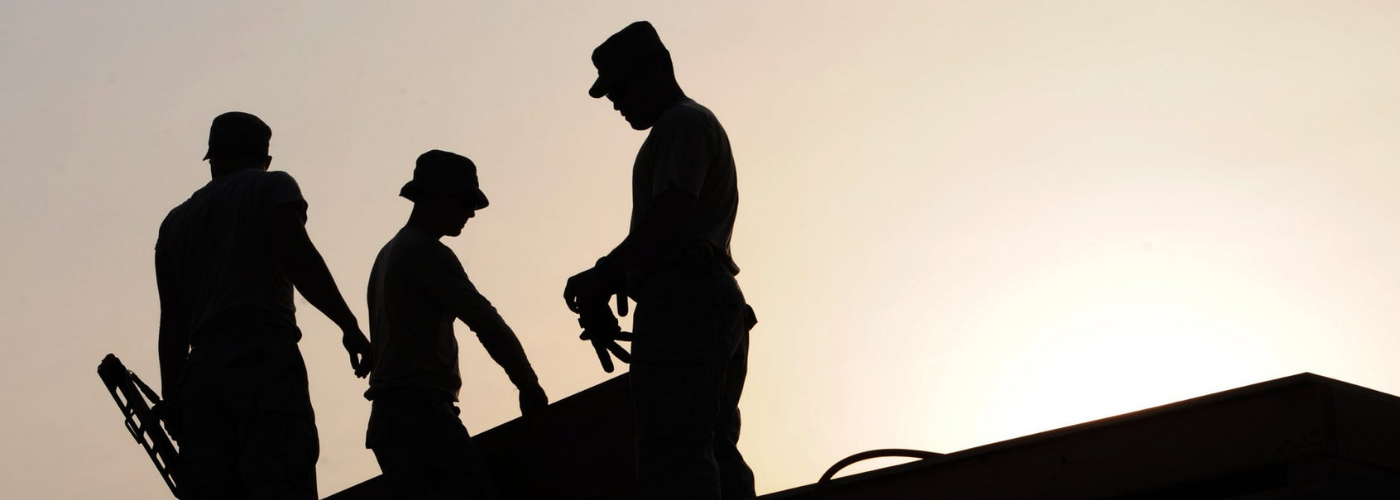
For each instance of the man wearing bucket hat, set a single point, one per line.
(227, 260)
(691, 329)
(417, 289)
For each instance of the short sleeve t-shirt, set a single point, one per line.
(219, 255)
(687, 149)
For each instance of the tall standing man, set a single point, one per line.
(226, 262)
(417, 290)
(690, 351)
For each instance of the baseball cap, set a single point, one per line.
(621, 53)
(236, 133)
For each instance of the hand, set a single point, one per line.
(360, 350)
(168, 412)
(533, 400)
(597, 284)
(584, 288)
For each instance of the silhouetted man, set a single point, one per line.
(690, 353)
(416, 290)
(226, 262)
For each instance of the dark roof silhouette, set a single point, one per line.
(1303, 436)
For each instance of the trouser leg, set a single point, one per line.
(249, 429)
(425, 452)
(281, 445)
(736, 478)
(683, 358)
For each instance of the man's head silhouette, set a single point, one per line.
(238, 140)
(445, 192)
(635, 73)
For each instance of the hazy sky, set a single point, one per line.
(961, 222)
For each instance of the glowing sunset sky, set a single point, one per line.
(960, 222)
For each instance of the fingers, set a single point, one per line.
(571, 294)
(357, 363)
(361, 355)
(570, 301)
(621, 304)
(365, 366)
(622, 354)
(603, 356)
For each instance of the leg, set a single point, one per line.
(425, 452)
(736, 478)
(680, 359)
(280, 442)
(208, 440)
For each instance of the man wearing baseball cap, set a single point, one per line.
(417, 289)
(227, 260)
(691, 329)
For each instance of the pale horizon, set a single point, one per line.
(959, 222)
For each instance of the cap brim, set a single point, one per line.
(602, 86)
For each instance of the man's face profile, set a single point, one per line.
(624, 101)
(450, 213)
(634, 97)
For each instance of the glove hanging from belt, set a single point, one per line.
(601, 328)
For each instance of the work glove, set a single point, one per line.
(600, 327)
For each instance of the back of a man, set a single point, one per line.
(224, 266)
(236, 390)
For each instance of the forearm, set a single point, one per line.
(448, 283)
(305, 266)
(313, 279)
(505, 349)
(173, 340)
(660, 232)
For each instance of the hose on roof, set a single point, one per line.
(867, 455)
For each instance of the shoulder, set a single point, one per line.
(686, 114)
(272, 180)
(274, 189)
(175, 215)
(412, 245)
(275, 179)
(176, 212)
(171, 220)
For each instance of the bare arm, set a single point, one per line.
(683, 152)
(658, 234)
(307, 270)
(174, 341)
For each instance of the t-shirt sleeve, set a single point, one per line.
(438, 270)
(684, 152)
(279, 188)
